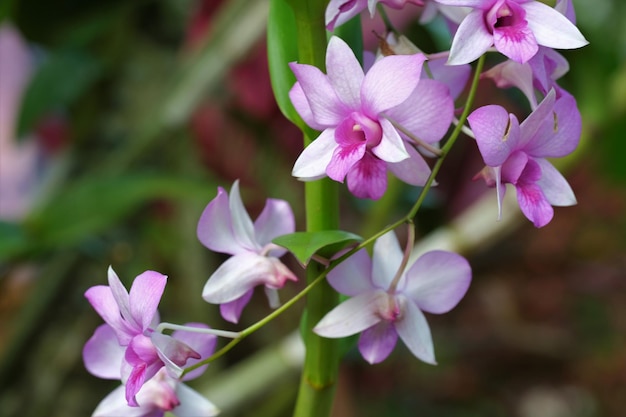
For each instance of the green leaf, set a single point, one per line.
(13, 240)
(59, 81)
(282, 48)
(305, 244)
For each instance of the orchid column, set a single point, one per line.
(321, 364)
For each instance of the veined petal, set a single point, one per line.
(368, 178)
(454, 77)
(312, 162)
(516, 42)
(413, 171)
(377, 342)
(145, 295)
(427, 113)
(536, 120)
(437, 281)
(276, 219)
(326, 107)
(386, 259)
(391, 147)
(242, 224)
(513, 74)
(344, 158)
(554, 186)
(102, 354)
(121, 298)
(301, 104)
(231, 311)
(497, 133)
(215, 228)
(344, 72)
(413, 329)
(339, 12)
(352, 276)
(352, 316)
(472, 39)
(173, 353)
(237, 276)
(532, 201)
(192, 404)
(551, 28)
(389, 82)
(101, 299)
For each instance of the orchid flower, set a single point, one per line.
(160, 393)
(516, 153)
(131, 318)
(386, 303)
(515, 27)
(226, 227)
(357, 114)
(339, 12)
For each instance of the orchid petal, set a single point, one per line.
(551, 28)
(301, 104)
(215, 228)
(476, 4)
(352, 276)
(389, 82)
(101, 299)
(377, 342)
(368, 178)
(202, 343)
(352, 316)
(413, 171)
(413, 329)
(344, 72)
(326, 107)
(511, 73)
(518, 42)
(344, 158)
(145, 295)
(312, 162)
(173, 353)
(496, 132)
(531, 198)
(471, 40)
(386, 259)
(391, 147)
(121, 298)
(535, 120)
(242, 224)
(114, 404)
(231, 311)
(554, 186)
(192, 404)
(276, 219)
(437, 281)
(339, 12)
(102, 354)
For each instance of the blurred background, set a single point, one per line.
(118, 120)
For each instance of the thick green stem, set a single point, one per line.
(317, 386)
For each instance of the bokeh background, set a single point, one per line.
(118, 120)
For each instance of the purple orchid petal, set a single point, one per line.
(536, 120)
(238, 275)
(301, 104)
(560, 134)
(344, 158)
(172, 353)
(352, 276)
(231, 311)
(377, 342)
(312, 162)
(368, 178)
(513, 74)
(551, 28)
(471, 40)
(476, 4)
(276, 219)
(413, 329)
(145, 295)
(202, 343)
(101, 299)
(437, 281)
(326, 107)
(531, 198)
(386, 259)
(413, 171)
(242, 224)
(554, 186)
(389, 82)
(427, 113)
(339, 12)
(115, 404)
(391, 147)
(514, 167)
(497, 133)
(123, 300)
(566, 8)
(215, 229)
(103, 354)
(192, 404)
(518, 42)
(352, 316)
(344, 72)
(455, 77)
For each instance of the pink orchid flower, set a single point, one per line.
(339, 12)
(515, 27)
(354, 111)
(382, 310)
(131, 318)
(516, 153)
(226, 227)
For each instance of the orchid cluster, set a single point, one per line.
(389, 115)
